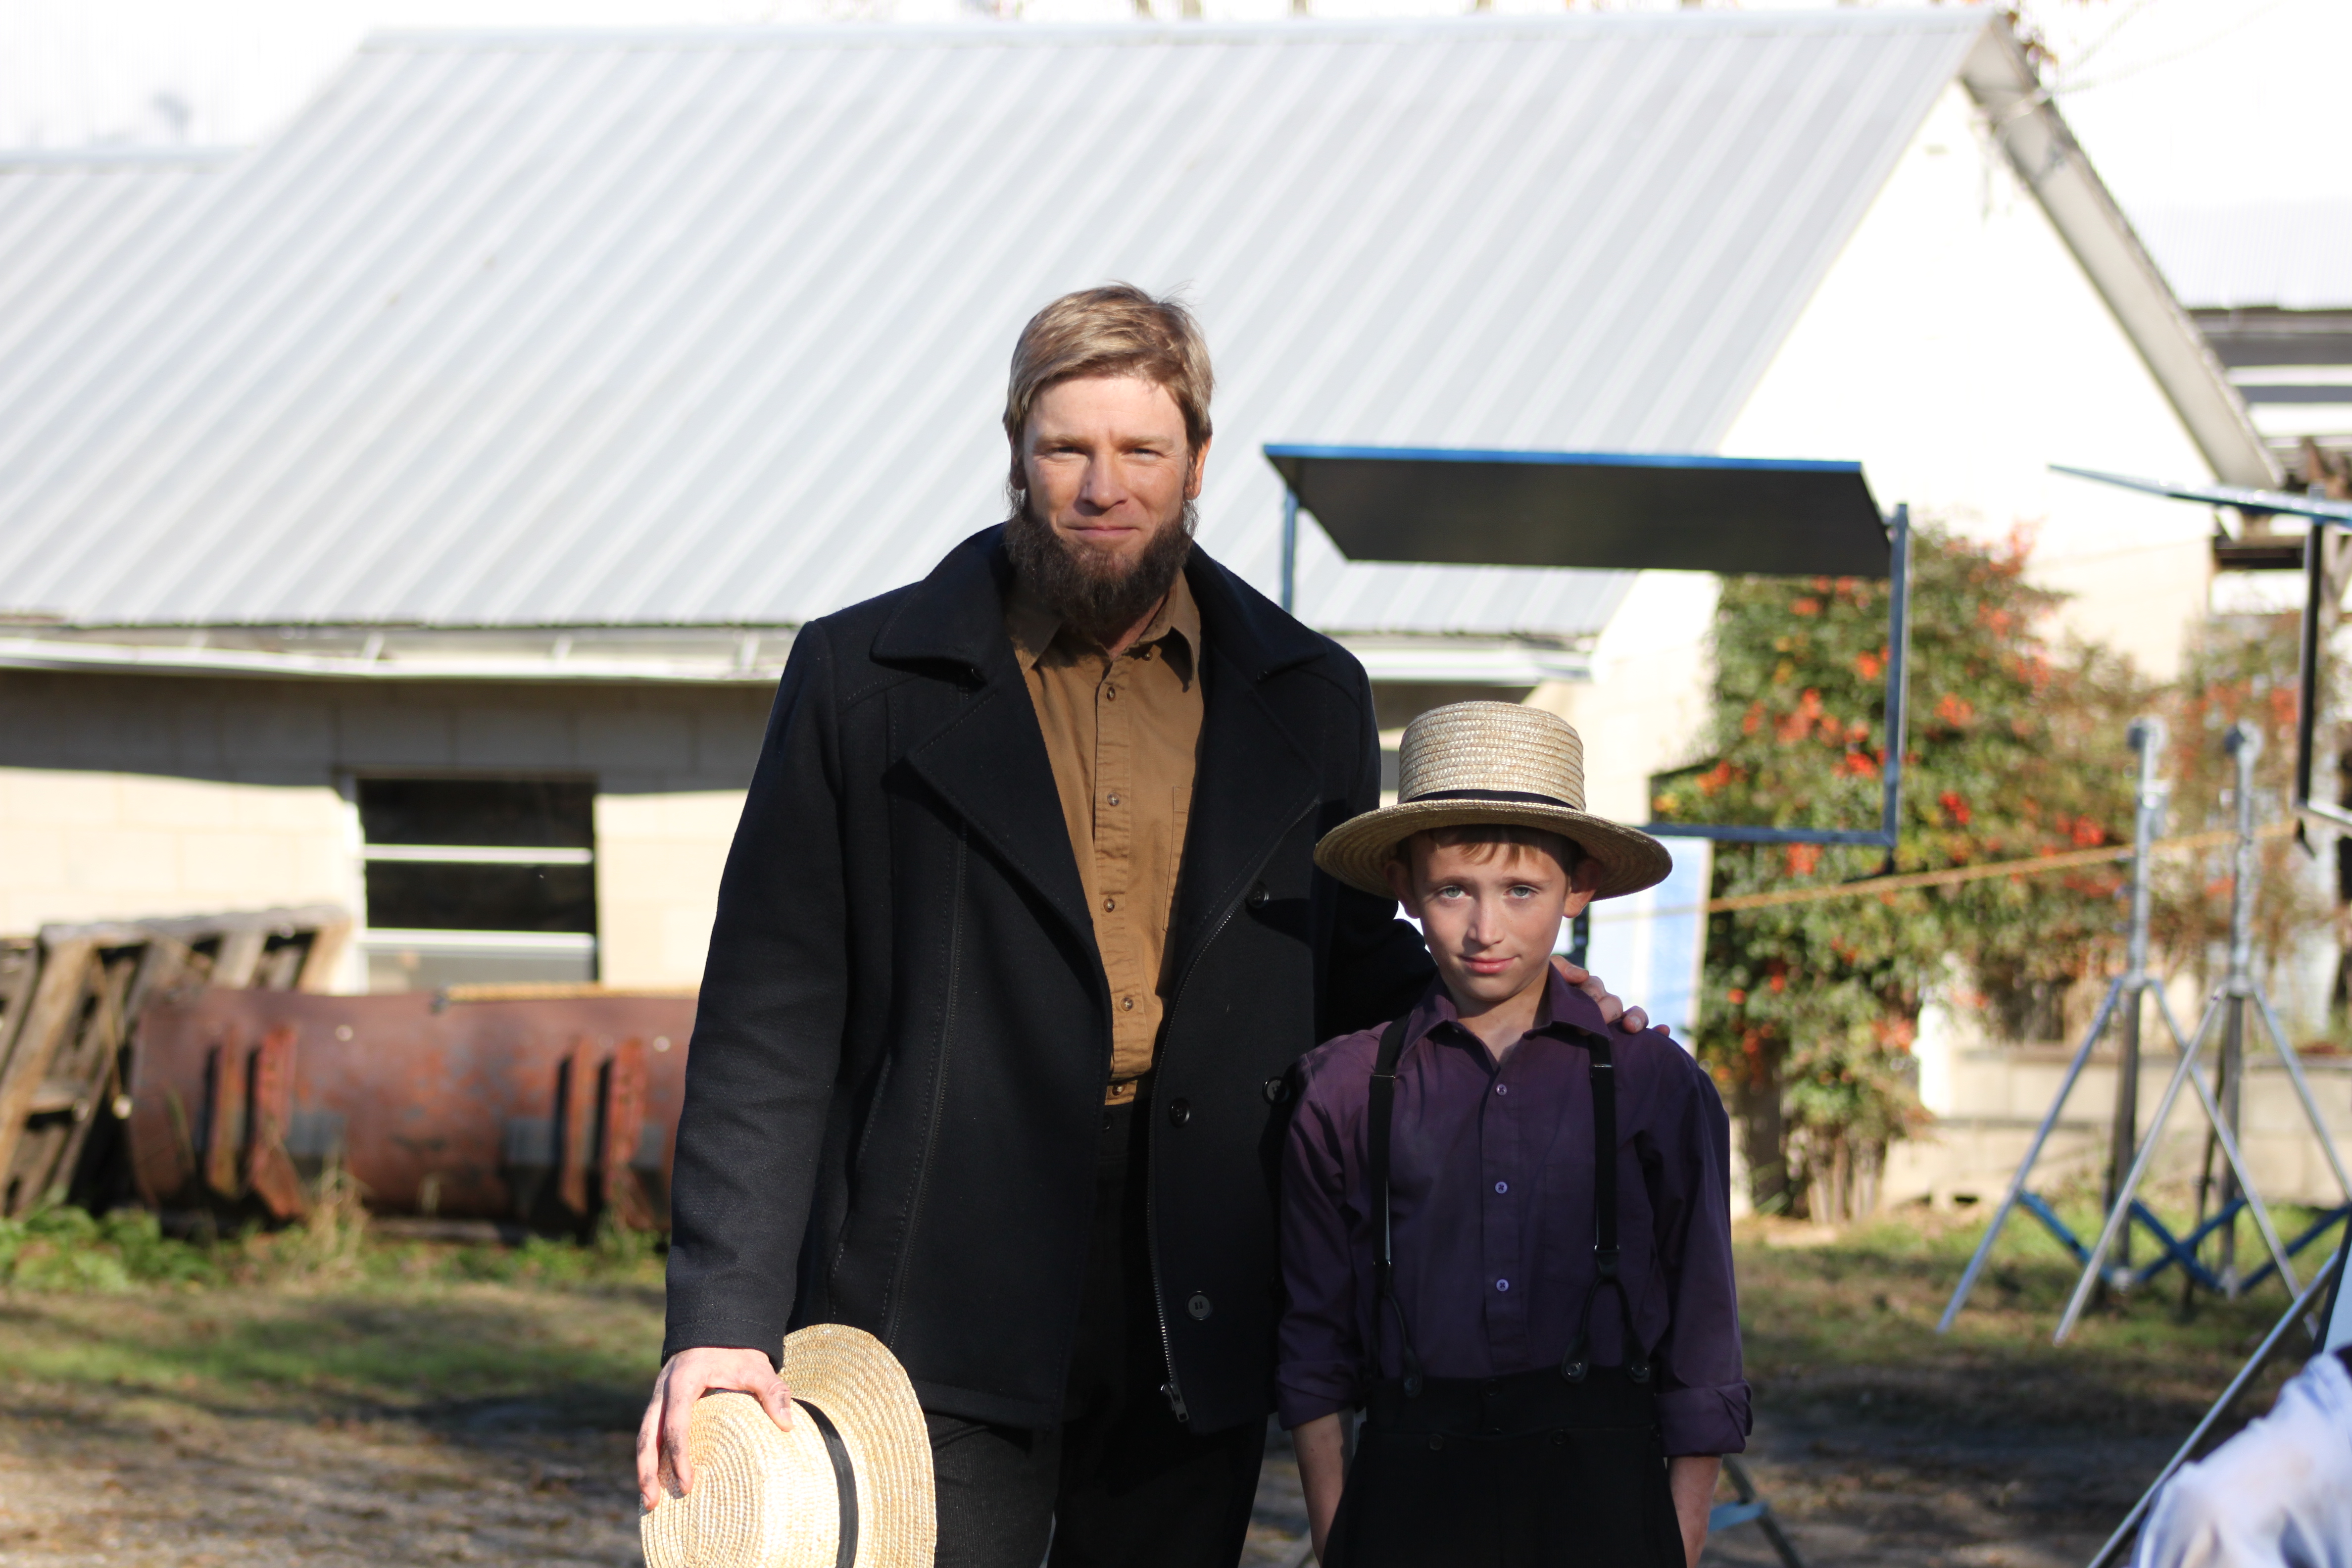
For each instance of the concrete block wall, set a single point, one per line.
(129, 795)
(658, 857)
(1971, 1151)
(85, 846)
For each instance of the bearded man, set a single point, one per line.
(1019, 937)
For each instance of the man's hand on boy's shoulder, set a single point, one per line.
(1632, 1020)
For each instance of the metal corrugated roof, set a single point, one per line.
(66, 217)
(712, 327)
(2293, 255)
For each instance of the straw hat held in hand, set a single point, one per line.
(847, 1484)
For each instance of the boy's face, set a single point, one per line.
(1490, 912)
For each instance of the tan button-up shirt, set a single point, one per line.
(1123, 734)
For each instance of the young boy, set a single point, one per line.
(1505, 1234)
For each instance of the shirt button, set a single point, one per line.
(1502, 1186)
(1502, 1089)
(1127, 1004)
(1110, 903)
(1502, 1284)
(1110, 693)
(1114, 800)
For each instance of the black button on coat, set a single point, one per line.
(894, 1094)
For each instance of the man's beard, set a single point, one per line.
(1094, 596)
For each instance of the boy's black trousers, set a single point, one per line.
(1120, 1481)
(1529, 1470)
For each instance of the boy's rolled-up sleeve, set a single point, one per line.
(1703, 1399)
(1320, 1355)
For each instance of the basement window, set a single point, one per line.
(479, 881)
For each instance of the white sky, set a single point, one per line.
(2182, 102)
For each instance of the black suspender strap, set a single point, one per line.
(1381, 1112)
(1578, 1359)
(1605, 1255)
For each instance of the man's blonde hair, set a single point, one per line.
(1115, 329)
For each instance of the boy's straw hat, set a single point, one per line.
(856, 1463)
(1491, 763)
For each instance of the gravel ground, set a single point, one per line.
(147, 1481)
(150, 1480)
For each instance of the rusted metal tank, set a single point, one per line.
(545, 1110)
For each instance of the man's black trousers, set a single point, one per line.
(1120, 1483)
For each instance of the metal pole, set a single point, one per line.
(2293, 1061)
(2185, 1072)
(2220, 1406)
(2116, 1215)
(2244, 744)
(2315, 615)
(1898, 664)
(1289, 551)
(2148, 737)
(2033, 1153)
(2245, 1183)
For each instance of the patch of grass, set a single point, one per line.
(356, 1351)
(66, 1250)
(1846, 1320)
(324, 1319)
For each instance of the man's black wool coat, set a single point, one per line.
(894, 1095)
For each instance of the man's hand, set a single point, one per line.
(1632, 1020)
(685, 1378)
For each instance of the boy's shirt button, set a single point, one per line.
(1502, 1186)
(1502, 1284)
(1502, 1089)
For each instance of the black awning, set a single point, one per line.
(1598, 510)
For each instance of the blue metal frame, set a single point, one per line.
(1898, 611)
(1572, 460)
(2180, 1249)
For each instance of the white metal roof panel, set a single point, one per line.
(65, 217)
(2293, 255)
(697, 328)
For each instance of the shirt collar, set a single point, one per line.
(1034, 627)
(1562, 1012)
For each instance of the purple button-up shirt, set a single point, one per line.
(1491, 1213)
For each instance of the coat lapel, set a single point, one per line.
(1255, 781)
(988, 760)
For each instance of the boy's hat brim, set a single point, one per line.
(1359, 850)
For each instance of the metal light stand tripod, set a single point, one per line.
(2239, 990)
(2329, 1272)
(2125, 992)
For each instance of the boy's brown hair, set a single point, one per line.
(1485, 840)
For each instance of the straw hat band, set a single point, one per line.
(845, 1483)
(1519, 795)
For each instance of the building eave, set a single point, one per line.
(539, 662)
(2053, 165)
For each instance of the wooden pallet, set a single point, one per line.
(69, 1002)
